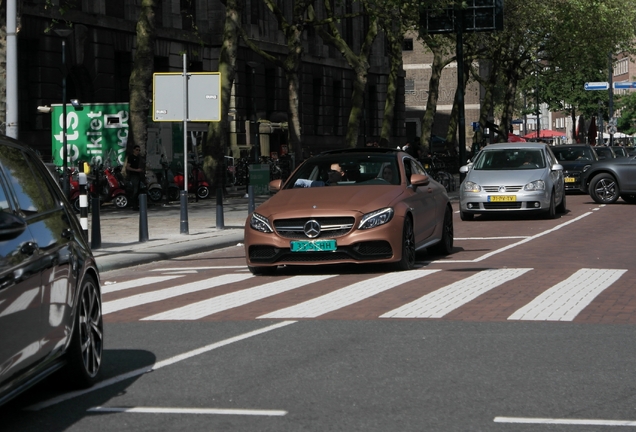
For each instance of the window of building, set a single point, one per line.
(121, 74)
(188, 14)
(407, 44)
(621, 67)
(115, 8)
(409, 86)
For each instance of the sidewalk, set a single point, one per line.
(119, 228)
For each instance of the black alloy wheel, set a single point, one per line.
(562, 207)
(445, 245)
(408, 246)
(551, 212)
(155, 194)
(203, 192)
(604, 189)
(86, 349)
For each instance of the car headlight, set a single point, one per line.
(376, 218)
(586, 167)
(537, 185)
(260, 223)
(471, 187)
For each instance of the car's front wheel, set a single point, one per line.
(551, 212)
(604, 189)
(445, 245)
(87, 344)
(408, 246)
(562, 207)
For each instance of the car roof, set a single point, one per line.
(362, 150)
(515, 145)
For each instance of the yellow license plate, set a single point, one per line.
(570, 180)
(502, 198)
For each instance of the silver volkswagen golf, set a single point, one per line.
(513, 177)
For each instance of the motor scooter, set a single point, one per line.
(196, 180)
(153, 188)
(168, 184)
(109, 188)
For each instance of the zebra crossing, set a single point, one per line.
(175, 296)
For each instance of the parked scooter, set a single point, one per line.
(196, 180)
(153, 188)
(168, 185)
(108, 187)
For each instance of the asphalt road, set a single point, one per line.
(527, 326)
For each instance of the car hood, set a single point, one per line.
(326, 200)
(575, 165)
(516, 177)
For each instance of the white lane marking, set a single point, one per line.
(118, 286)
(444, 300)
(348, 295)
(166, 293)
(182, 272)
(565, 300)
(197, 268)
(231, 300)
(565, 421)
(216, 411)
(491, 238)
(505, 248)
(167, 362)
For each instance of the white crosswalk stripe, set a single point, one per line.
(447, 299)
(348, 295)
(564, 301)
(235, 299)
(166, 293)
(119, 286)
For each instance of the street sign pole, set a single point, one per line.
(184, 228)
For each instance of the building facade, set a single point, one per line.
(100, 53)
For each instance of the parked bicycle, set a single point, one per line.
(438, 171)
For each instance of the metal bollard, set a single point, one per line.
(250, 202)
(83, 200)
(96, 231)
(220, 223)
(184, 213)
(143, 218)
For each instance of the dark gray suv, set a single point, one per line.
(50, 299)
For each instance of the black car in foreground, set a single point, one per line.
(50, 299)
(609, 179)
(576, 159)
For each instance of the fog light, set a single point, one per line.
(537, 204)
(470, 205)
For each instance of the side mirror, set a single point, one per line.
(463, 169)
(275, 185)
(11, 226)
(557, 167)
(420, 180)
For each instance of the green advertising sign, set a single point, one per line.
(94, 133)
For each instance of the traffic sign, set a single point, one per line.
(625, 85)
(604, 85)
(204, 97)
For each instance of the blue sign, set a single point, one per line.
(625, 85)
(597, 85)
(517, 121)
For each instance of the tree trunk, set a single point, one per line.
(395, 66)
(141, 76)
(216, 143)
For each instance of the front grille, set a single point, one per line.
(377, 248)
(495, 189)
(503, 205)
(330, 227)
(316, 256)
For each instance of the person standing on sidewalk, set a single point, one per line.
(134, 171)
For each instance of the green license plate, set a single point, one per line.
(313, 245)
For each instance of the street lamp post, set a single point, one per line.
(64, 33)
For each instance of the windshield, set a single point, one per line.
(509, 159)
(343, 169)
(569, 154)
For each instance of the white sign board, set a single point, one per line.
(204, 97)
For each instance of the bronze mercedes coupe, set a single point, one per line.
(366, 205)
